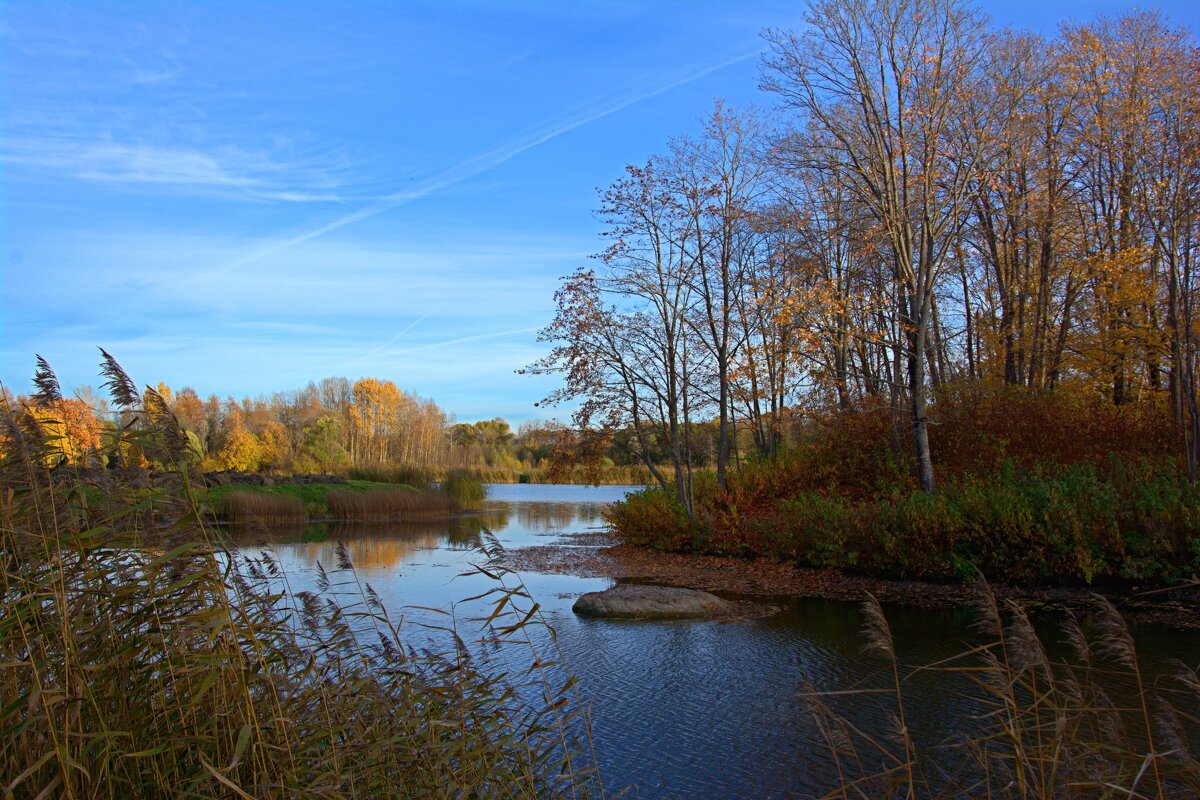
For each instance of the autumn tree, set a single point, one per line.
(622, 332)
(71, 429)
(882, 82)
(718, 180)
(610, 364)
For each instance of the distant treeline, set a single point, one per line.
(368, 427)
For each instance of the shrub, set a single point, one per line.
(464, 488)
(652, 517)
(1034, 486)
(1054, 524)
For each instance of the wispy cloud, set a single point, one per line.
(383, 347)
(226, 168)
(378, 287)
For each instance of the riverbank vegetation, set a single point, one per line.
(365, 429)
(940, 303)
(1050, 488)
(139, 658)
(237, 499)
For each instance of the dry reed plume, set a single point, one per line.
(139, 659)
(1086, 727)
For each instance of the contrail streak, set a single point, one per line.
(479, 164)
(461, 339)
(393, 340)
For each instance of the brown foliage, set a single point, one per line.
(264, 508)
(976, 429)
(388, 504)
(979, 427)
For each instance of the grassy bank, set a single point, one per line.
(284, 501)
(1031, 493)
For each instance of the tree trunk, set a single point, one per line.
(916, 392)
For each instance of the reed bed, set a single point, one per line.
(388, 505)
(408, 474)
(1088, 726)
(263, 508)
(138, 659)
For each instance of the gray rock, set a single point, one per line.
(631, 601)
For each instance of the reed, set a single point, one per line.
(464, 488)
(263, 508)
(385, 505)
(1088, 726)
(140, 659)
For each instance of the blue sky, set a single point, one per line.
(242, 197)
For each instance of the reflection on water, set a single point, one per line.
(679, 709)
(555, 517)
(372, 547)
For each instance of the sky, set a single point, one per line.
(245, 196)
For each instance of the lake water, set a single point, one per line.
(679, 709)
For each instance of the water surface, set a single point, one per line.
(680, 709)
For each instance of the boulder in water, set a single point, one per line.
(631, 601)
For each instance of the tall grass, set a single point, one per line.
(1087, 726)
(383, 505)
(464, 488)
(263, 508)
(139, 659)
(407, 474)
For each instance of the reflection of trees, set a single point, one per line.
(373, 545)
(464, 532)
(370, 546)
(377, 546)
(543, 516)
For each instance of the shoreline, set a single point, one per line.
(598, 555)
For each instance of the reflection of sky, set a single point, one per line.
(421, 563)
(680, 709)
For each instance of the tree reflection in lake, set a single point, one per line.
(372, 546)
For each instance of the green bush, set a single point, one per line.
(464, 488)
(652, 517)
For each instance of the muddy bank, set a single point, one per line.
(593, 555)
